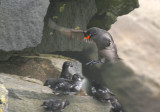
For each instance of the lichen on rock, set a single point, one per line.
(3, 98)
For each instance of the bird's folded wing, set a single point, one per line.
(71, 33)
(56, 105)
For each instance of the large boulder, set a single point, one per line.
(109, 10)
(39, 67)
(21, 23)
(28, 95)
(138, 41)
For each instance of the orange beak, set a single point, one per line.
(87, 37)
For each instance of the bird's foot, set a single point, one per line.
(93, 62)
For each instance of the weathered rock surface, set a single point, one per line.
(27, 96)
(73, 14)
(109, 10)
(3, 98)
(136, 82)
(137, 38)
(21, 23)
(77, 14)
(39, 67)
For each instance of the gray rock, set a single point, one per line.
(3, 98)
(72, 14)
(21, 23)
(40, 67)
(27, 96)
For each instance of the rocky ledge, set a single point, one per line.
(28, 95)
(23, 77)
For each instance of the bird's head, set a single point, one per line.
(67, 64)
(77, 77)
(46, 104)
(48, 83)
(91, 33)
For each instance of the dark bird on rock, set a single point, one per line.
(101, 93)
(65, 70)
(77, 81)
(53, 105)
(65, 86)
(116, 106)
(107, 50)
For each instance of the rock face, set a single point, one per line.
(138, 40)
(77, 14)
(137, 81)
(21, 23)
(26, 93)
(27, 96)
(40, 67)
(3, 98)
(72, 14)
(109, 10)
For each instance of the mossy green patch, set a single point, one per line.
(77, 28)
(61, 9)
(109, 10)
(55, 17)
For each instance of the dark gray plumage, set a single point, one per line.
(116, 107)
(65, 70)
(103, 94)
(65, 86)
(53, 105)
(77, 81)
(107, 51)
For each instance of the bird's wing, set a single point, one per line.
(71, 33)
(63, 85)
(104, 43)
(57, 104)
(110, 92)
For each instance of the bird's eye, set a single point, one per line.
(92, 34)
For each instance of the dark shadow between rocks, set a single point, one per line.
(37, 68)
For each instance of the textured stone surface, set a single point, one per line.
(78, 14)
(27, 96)
(3, 98)
(72, 14)
(109, 10)
(40, 67)
(21, 23)
(137, 38)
